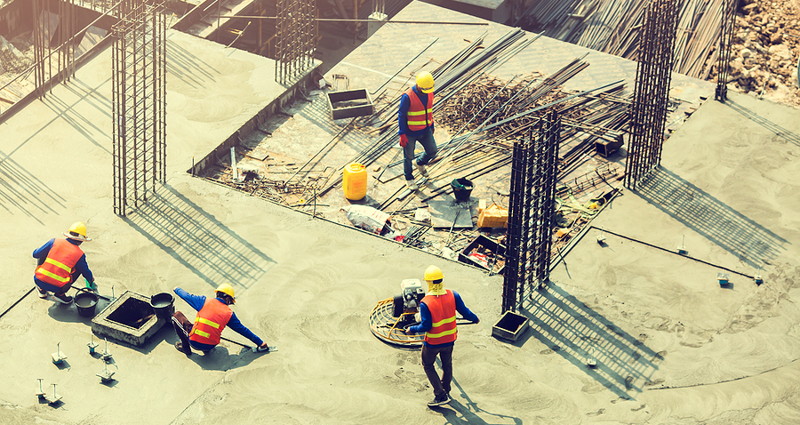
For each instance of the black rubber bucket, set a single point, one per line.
(163, 304)
(462, 189)
(86, 303)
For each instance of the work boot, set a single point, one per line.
(42, 293)
(411, 185)
(63, 298)
(422, 171)
(440, 400)
(185, 350)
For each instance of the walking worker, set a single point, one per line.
(438, 320)
(213, 315)
(415, 119)
(60, 262)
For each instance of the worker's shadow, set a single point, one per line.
(219, 358)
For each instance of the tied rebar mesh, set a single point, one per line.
(651, 94)
(531, 211)
(54, 25)
(295, 39)
(139, 102)
(725, 42)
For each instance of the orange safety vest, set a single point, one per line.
(57, 268)
(443, 316)
(210, 321)
(419, 116)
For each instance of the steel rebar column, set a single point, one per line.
(725, 42)
(295, 39)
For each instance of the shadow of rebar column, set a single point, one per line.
(20, 190)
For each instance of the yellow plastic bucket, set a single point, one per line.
(354, 181)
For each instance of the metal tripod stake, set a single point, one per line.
(40, 394)
(92, 345)
(106, 375)
(58, 356)
(106, 355)
(54, 398)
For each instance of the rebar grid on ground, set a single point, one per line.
(725, 42)
(295, 39)
(53, 26)
(651, 94)
(139, 102)
(531, 211)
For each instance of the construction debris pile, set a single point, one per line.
(766, 46)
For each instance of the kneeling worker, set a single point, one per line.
(60, 262)
(438, 320)
(212, 317)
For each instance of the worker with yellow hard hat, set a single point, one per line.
(60, 262)
(438, 321)
(415, 119)
(213, 315)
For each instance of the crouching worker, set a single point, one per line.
(212, 317)
(60, 262)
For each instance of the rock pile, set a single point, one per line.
(766, 47)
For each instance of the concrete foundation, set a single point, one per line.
(129, 319)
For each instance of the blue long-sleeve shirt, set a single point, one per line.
(426, 322)
(81, 267)
(402, 114)
(197, 302)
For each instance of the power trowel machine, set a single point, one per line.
(391, 316)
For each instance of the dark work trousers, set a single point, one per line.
(429, 353)
(182, 327)
(428, 143)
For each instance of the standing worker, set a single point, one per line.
(438, 321)
(212, 317)
(415, 119)
(60, 262)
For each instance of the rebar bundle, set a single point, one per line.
(725, 43)
(295, 39)
(139, 102)
(53, 27)
(531, 211)
(651, 94)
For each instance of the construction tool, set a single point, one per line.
(270, 348)
(106, 376)
(92, 345)
(58, 357)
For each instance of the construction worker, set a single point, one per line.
(212, 317)
(415, 119)
(60, 262)
(438, 320)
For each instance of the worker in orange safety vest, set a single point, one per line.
(60, 262)
(415, 123)
(213, 315)
(438, 320)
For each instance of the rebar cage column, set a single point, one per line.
(725, 44)
(53, 27)
(295, 39)
(651, 93)
(139, 102)
(531, 211)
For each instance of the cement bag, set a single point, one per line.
(367, 218)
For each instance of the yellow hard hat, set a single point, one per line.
(425, 82)
(227, 290)
(77, 232)
(433, 273)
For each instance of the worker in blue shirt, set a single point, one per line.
(415, 122)
(438, 320)
(60, 262)
(213, 315)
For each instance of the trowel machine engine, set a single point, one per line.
(406, 305)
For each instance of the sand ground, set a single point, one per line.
(672, 346)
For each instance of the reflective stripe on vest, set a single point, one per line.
(443, 316)
(57, 268)
(210, 321)
(419, 116)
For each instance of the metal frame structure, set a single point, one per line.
(139, 102)
(50, 62)
(651, 94)
(295, 39)
(725, 43)
(531, 215)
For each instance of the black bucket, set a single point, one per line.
(163, 304)
(86, 303)
(462, 189)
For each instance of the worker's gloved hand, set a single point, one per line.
(92, 286)
(403, 140)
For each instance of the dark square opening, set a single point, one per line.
(511, 322)
(133, 313)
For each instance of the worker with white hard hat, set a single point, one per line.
(415, 119)
(438, 321)
(213, 315)
(60, 262)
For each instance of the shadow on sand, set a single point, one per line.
(198, 240)
(577, 333)
(753, 244)
(21, 190)
(470, 413)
